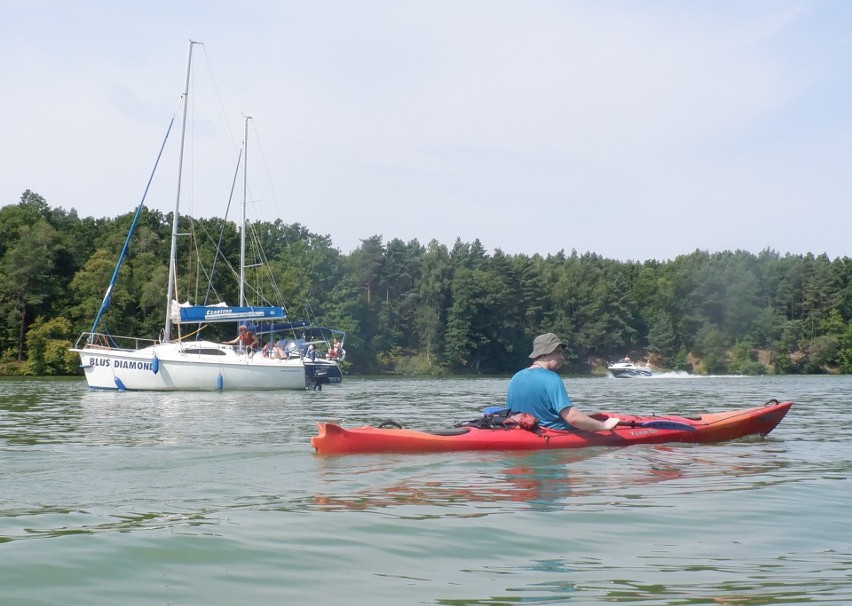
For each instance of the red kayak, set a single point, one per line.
(634, 429)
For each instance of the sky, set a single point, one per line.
(632, 129)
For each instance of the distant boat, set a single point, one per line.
(177, 362)
(623, 370)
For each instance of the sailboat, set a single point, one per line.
(177, 363)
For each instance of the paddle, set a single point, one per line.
(659, 424)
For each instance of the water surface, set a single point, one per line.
(217, 498)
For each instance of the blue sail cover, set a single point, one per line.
(197, 314)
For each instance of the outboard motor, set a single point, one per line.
(315, 378)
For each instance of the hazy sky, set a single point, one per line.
(633, 129)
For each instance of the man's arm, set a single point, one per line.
(580, 420)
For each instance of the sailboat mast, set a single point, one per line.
(167, 331)
(243, 229)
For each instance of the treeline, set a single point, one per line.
(415, 309)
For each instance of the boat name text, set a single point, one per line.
(129, 364)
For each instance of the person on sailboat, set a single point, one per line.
(334, 350)
(246, 338)
(278, 353)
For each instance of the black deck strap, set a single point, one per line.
(449, 432)
(389, 423)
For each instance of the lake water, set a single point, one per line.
(217, 498)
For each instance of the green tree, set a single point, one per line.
(710, 345)
(89, 287)
(26, 278)
(434, 298)
(477, 324)
(744, 359)
(365, 269)
(833, 349)
(662, 340)
(399, 278)
(47, 348)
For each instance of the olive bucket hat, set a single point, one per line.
(545, 344)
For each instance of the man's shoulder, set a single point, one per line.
(537, 371)
(535, 374)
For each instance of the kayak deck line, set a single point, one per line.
(706, 428)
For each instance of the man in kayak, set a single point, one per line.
(539, 391)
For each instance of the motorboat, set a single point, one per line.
(623, 370)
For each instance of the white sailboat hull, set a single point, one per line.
(197, 366)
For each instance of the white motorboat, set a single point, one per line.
(629, 369)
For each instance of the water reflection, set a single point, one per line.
(38, 412)
(541, 480)
(549, 480)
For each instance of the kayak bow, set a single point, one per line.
(634, 429)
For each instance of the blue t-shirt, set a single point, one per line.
(541, 393)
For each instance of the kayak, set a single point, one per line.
(705, 428)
